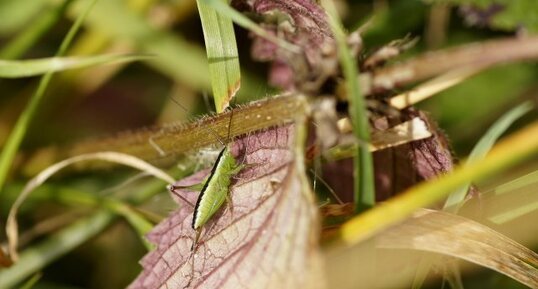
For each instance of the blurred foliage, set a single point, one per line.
(466, 110)
(505, 15)
(16, 14)
(109, 99)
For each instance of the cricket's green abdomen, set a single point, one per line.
(216, 188)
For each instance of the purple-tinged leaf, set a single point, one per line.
(414, 162)
(265, 237)
(397, 168)
(300, 22)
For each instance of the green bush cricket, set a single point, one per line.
(216, 186)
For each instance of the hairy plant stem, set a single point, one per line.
(164, 145)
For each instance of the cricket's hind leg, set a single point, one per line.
(174, 190)
(194, 245)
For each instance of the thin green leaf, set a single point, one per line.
(33, 67)
(37, 257)
(518, 198)
(141, 225)
(456, 199)
(16, 136)
(243, 21)
(32, 281)
(363, 162)
(221, 49)
(524, 181)
(505, 217)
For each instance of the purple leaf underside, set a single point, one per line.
(266, 236)
(308, 29)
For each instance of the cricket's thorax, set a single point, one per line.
(215, 189)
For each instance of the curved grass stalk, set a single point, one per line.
(11, 226)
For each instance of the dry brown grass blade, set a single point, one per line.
(434, 86)
(483, 54)
(456, 236)
(391, 259)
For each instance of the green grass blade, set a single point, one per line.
(528, 182)
(27, 38)
(221, 49)
(363, 163)
(505, 217)
(32, 281)
(135, 219)
(484, 145)
(17, 134)
(243, 21)
(128, 160)
(37, 257)
(524, 181)
(33, 67)
(77, 199)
